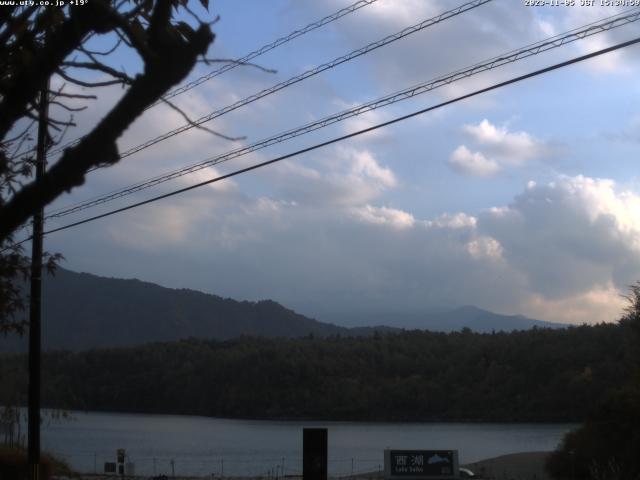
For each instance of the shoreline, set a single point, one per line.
(316, 420)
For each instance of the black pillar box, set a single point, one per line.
(314, 454)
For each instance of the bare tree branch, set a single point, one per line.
(123, 39)
(169, 53)
(74, 95)
(134, 37)
(104, 53)
(208, 61)
(95, 65)
(199, 126)
(19, 135)
(12, 22)
(62, 135)
(67, 107)
(25, 83)
(82, 83)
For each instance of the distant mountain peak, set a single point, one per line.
(447, 320)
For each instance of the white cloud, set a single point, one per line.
(560, 251)
(511, 147)
(392, 12)
(157, 229)
(344, 176)
(472, 163)
(614, 61)
(364, 165)
(206, 174)
(485, 247)
(384, 216)
(547, 28)
(460, 41)
(499, 148)
(363, 121)
(570, 236)
(603, 302)
(453, 221)
(327, 229)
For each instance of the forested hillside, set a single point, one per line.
(82, 311)
(535, 375)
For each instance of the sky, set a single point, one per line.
(524, 200)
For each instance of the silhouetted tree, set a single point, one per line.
(37, 43)
(607, 445)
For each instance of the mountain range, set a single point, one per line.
(82, 311)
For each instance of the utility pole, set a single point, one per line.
(33, 454)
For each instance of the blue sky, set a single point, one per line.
(525, 200)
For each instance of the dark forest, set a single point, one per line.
(534, 375)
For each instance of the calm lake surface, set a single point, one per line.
(161, 444)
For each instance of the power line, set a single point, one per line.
(266, 48)
(247, 58)
(350, 135)
(309, 73)
(509, 57)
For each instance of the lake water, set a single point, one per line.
(161, 444)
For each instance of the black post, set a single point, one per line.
(314, 453)
(33, 453)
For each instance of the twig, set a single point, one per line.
(62, 134)
(73, 95)
(88, 84)
(105, 53)
(200, 127)
(95, 65)
(13, 139)
(236, 62)
(66, 107)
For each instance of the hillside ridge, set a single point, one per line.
(83, 310)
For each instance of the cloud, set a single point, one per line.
(560, 251)
(499, 148)
(463, 40)
(603, 302)
(472, 163)
(511, 147)
(157, 230)
(614, 61)
(570, 236)
(384, 216)
(455, 221)
(485, 247)
(487, 31)
(336, 227)
(362, 121)
(343, 176)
